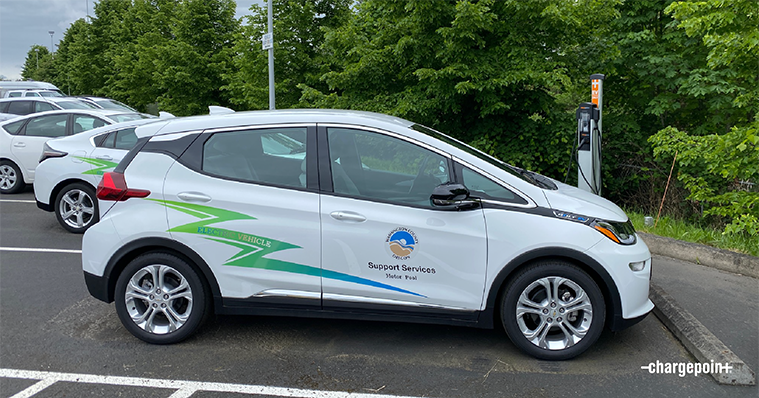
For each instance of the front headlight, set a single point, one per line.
(620, 232)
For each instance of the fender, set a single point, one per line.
(596, 271)
(131, 250)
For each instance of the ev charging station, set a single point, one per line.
(588, 116)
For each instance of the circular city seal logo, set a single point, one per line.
(401, 243)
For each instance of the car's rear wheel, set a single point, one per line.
(11, 180)
(76, 207)
(160, 298)
(553, 310)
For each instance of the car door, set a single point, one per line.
(27, 145)
(247, 203)
(109, 149)
(383, 244)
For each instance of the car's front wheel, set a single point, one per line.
(76, 208)
(553, 310)
(11, 180)
(160, 298)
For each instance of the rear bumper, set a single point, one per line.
(97, 286)
(44, 206)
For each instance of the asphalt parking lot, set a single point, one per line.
(50, 325)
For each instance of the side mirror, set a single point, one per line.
(453, 197)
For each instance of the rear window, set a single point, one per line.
(126, 117)
(73, 105)
(12, 128)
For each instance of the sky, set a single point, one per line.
(24, 23)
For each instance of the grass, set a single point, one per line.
(689, 232)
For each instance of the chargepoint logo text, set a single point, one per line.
(682, 369)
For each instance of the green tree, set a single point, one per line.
(38, 64)
(488, 72)
(721, 169)
(299, 27)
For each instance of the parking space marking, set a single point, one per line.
(37, 387)
(17, 201)
(39, 250)
(184, 388)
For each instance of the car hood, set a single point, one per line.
(574, 200)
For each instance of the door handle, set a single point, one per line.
(193, 197)
(19, 144)
(104, 157)
(347, 216)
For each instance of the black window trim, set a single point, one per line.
(192, 158)
(529, 202)
(325, 163)
(459, 167)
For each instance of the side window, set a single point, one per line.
(125, 139)
(385, 168)
(12, 128)
(47, 126)
(485, 188)
(271, 156)
(14, 94)
(106, 140)
(40, 106)
(20, 107)
(31, 94)
(86, 122)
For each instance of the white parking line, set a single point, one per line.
(17, 201)
(39, 250)
(184, 388)
(37, 387)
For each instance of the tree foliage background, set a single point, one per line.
(503, 75)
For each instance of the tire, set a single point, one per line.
(76, 207)
(11, 179)
(547, 327)
(151, 312)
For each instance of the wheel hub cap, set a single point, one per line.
(158, 299)
(554, 313)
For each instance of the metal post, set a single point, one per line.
(37, 53)
(596, 84)
(51, 41)
(589, 139)
(271, 58)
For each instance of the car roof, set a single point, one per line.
(229, 120)
(92, 112)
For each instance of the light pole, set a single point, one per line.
(271, 56)
(51, 40)
(37, 53)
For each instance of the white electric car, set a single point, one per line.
(356, 215)
(22, 139)
(70, 169)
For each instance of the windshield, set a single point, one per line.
(73, 105)
(114, 105)
(126, 117)
(50, 94)
(525, 175)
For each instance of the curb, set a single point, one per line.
(724, 260)
(698, 340)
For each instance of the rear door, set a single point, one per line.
(27, 145)
(247, 201)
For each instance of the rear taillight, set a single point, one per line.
(113, 187)
(48, 153)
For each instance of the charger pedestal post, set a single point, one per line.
(589, 133)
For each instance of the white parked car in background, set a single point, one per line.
(359, 215)
(22, 139)
(71, 168)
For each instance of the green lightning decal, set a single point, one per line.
(100, 165)
(253, 248)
